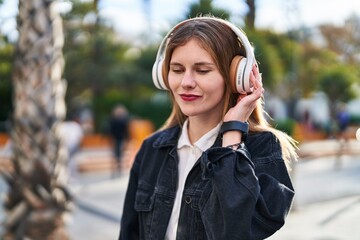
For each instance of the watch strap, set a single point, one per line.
(242, 127)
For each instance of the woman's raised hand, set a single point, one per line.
(247, 102)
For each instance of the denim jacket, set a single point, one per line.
(229, 194)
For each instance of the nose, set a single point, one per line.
(188, 80)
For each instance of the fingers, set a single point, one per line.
(241, 96)
(256, 72)
(255, 77)
(247, 99)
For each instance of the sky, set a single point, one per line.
(128, 18)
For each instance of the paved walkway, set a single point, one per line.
(98, 206)
(327, 202)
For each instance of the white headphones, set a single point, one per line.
(240, 67)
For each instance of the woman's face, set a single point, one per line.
(196, 82)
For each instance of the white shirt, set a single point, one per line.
(72, 133)
(188, 155)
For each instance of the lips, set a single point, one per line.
(189, 97)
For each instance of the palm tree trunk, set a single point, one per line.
(37, 199)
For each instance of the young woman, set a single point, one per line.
(216, 170)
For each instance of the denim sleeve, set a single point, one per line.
(129, 227)
(244, 200)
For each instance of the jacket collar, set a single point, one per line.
(170, 136)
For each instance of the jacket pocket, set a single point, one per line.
(144, 204)
(144, 199)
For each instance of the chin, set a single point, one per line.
(190, 113)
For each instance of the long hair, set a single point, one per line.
(223, 45)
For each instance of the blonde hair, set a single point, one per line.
(223, 45)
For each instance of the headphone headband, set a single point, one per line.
(242, 76)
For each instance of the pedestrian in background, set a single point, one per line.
(119, 132)
(72, 134)
(343, 121)
(216, 170)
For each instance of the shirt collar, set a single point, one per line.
(203, 143)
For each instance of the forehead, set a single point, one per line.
(192, 49)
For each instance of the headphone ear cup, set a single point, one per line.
(240, 80)
(158, 75)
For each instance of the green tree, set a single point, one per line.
(95, 59)
(336, 81)
(344, 40)
(6, 56)
(272, 61)
(37, 197)
(313, 60)
(204, 7)
(102, 69)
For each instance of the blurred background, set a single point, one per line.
(308, 52)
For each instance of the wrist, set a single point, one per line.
(231, 137)
(235, 146)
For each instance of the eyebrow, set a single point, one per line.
(196, 64)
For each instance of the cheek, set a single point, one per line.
(218, 88)
(173, 84)
(218, 93)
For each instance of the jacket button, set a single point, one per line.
(188, 199)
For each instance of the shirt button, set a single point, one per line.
(188, 199)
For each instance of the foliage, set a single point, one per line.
(355, 119)
(312, 61)
(343, 40)
(287, 125)
(6, 56)
(89, 50)
(98, 62)
(267, 55)
(146, 105)
(205, 7)
(336, 82)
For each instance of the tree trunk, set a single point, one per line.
(37, 199)
(250, 16)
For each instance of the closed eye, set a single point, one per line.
(203, 71)
(204, 67)
(177, 70)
